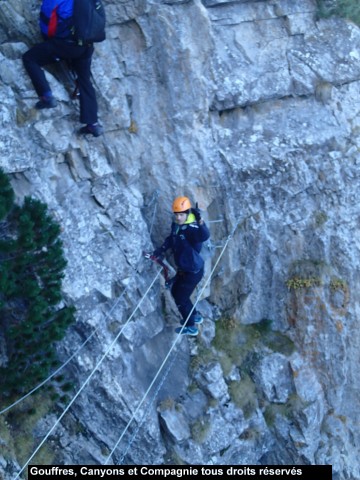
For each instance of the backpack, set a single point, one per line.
(56, 18)
(89, 21)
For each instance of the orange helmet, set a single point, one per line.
(181, 204)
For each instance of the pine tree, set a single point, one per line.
(31, 271)
(6, 195)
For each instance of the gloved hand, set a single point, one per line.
(197, 213)
(158, 253)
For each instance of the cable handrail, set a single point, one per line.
(146, 413)
(59, 369)
(172, 347)
(88, 378)
(108, 351)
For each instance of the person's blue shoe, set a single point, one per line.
(92, 129)
(46, 102)
(198, 319)
(193, 331)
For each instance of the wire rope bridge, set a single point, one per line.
(152, 391)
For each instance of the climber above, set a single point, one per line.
(59, 44)
(188, 232)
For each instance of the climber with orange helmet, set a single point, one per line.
(188, 232)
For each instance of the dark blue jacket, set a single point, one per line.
(56, 18)
(186, 242)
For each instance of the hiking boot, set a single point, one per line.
(193, 331)
(198, 319)
(92, 129)
(46, 102)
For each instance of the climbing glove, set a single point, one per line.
(196, 213)
(158, 253)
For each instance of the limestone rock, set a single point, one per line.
(274, 377)
(175, 424)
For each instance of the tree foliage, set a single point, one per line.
(349, 9)
(33, 316)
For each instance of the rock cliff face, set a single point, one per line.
(252, 109)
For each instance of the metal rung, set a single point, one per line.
(216, 221)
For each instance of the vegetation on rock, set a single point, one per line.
(349, 9)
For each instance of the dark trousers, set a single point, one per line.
(182, 288)
(51, 51)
